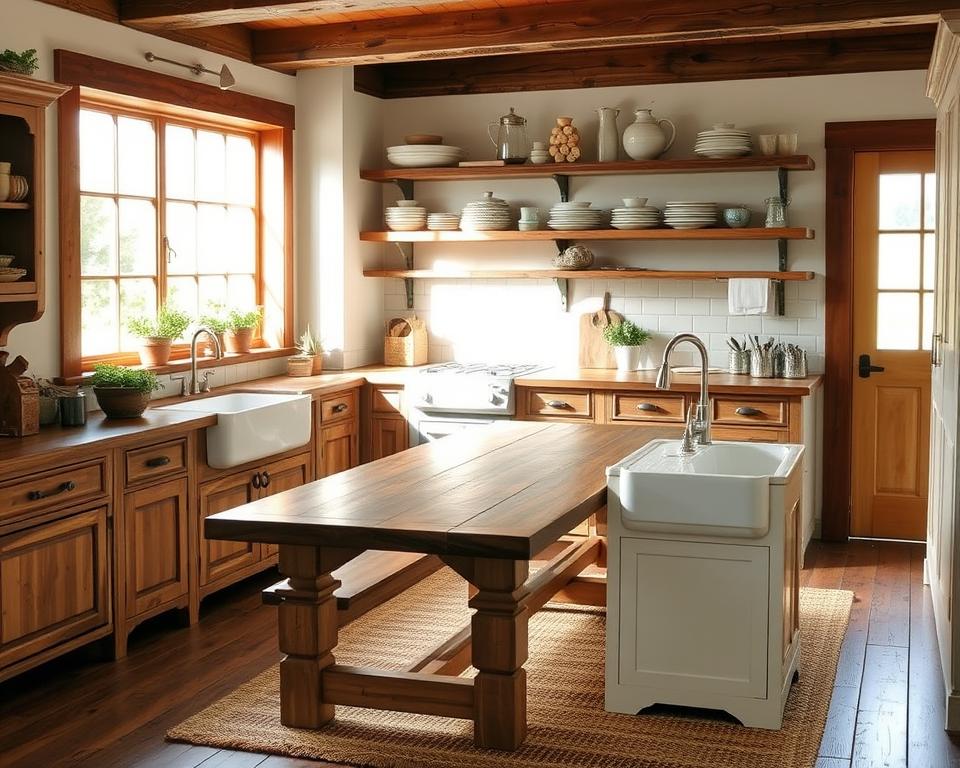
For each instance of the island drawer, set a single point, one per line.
(54, 488)
(739, 410)
(338, 407)
(638, 406)
(560, 403)
(152, 462)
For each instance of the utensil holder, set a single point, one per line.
(739, 362)
(779, 361)
(761, 364)
(795, 368)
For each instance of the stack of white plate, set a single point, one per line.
(424, 155)
(488, 213)
(443, 221)
(643, 217)
(407, 216)
(685, 214)
(723, 141)
(11, 274)
(575, 216)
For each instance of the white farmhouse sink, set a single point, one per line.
(251, 425)
(724, 489)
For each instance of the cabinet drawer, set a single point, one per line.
(562, 403)
(386, 400)
(338, 407)
(637, 406)
(730, 410)
(155, 461)
(57, 487)
(748, 435)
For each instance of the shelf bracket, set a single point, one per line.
(782, 181)
(563, 286)
(563, 184)
(406, 187)
(779, 287)
(406, 250)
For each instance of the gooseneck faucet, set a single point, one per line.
(700, 427)
(202, 385)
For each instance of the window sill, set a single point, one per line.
(178, 366)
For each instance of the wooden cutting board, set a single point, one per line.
(594, 351)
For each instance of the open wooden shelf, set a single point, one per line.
(586, 274)
(457, 236)
(14, 206)
(17, 289)
(548, 170)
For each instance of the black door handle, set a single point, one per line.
(866, 368)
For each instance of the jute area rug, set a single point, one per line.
(568, 726)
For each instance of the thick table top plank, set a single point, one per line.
(503, 491)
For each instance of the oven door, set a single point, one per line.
(428, 428)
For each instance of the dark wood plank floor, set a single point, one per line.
(887, 707)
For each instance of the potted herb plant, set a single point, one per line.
(123, 393)
(158, 333)
(310, 346)
(216, 321)
(627, 339)
(22, 63)
(241, 324)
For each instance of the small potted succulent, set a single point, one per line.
(123, 393)
(310, 346)
(240, 327)
(158, 333)
(627, 339)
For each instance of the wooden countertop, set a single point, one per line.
(506, 490)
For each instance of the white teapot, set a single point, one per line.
(645, 139)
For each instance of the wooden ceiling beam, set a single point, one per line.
(578, 24)
(650, 65)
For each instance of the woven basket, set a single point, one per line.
(405, 342)
(300, 366)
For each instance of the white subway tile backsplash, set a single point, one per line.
(745, 324)
(660, 306)
(719, 307)
(633, 306)
(675, 323)
(801, 308)
(676, 289)
(693, 306)
(710, 289)
(779, 325)
(709, 324)
(642, 287)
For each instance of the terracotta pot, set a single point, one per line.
(238, 341)
(155, 350)
(121, 402)
(317, 364)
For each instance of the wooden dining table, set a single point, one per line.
(486, 502)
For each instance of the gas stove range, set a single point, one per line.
(467, 388)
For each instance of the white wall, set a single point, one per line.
(30, 24)
(521, 320)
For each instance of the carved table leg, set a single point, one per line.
(307, 631)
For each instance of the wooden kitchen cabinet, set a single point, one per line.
(283, 475)
(385, 428)
(388, 435)
(337, 432)
(558, 404)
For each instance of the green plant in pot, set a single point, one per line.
(216, 321)
(157, 333)
(22, 63)
(310, 346)
(123, 393)
(241, 325)
(627, 339)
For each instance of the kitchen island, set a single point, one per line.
(486, 502)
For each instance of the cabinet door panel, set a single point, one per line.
(220, 558)
(284, 476)
(388, 436)
(339, 448)
(155, 528)
(54, 583)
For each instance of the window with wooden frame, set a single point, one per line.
(164, 203)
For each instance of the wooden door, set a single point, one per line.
(894, 258)
(388, 436)
(339, 447)
(221, 558)
(283, 475)
(155, 520)
(54, 583)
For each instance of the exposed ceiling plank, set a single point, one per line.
(578, 24)
(648, 65)
(178, 14)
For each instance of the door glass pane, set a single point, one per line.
(898, 320)
(212, 238)
(927, 338)
(99, 333)
(182, 237)
(241, 170)
(98, 236)
(178, 158)
(136, 157)
(137, 297)
(96, 152)
(929, 260)
(929, 201)
(138, 237)
(182, 294)
(211, 166)
(900, 201)
(899, 266)
(242, 240)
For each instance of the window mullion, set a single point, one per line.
(161, 211)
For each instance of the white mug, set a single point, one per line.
(530, 214)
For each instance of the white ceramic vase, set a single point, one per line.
(608, 136)
(645, 139)
(628, 358)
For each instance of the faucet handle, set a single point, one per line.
(204, 383)
(183, 384)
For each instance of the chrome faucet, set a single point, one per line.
(203, 384)
(698, 425)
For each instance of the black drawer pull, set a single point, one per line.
(256, 480)
(558, 404)
(158, 461)
(649, 407)
(339, 408)
(69, 485)
(746, 410)
(265, 481)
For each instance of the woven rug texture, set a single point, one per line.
(568, 727)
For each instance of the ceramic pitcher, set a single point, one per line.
(608, 137)
(645, 138)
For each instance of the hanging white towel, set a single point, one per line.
(749, 295)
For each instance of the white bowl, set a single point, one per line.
(634, 202)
